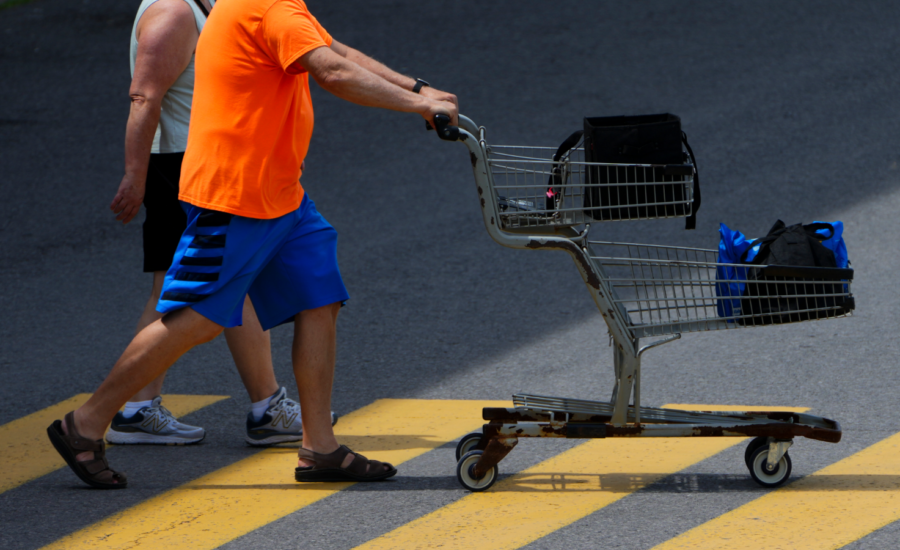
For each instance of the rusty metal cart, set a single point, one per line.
(531, 200)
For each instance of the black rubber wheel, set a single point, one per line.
(466, 444)
(754, 444)
(765, 477)
(464, 473)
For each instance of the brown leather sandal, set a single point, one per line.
(95, 472)
(328, 467)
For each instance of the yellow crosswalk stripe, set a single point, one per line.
(27, 454)
(258, 490)
(544, 498)
(828, 509)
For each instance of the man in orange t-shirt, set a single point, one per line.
(252, 230)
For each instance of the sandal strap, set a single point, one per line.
(95, 466)
(77, 442)
(362, 466)
(330, 460)
(359, 466)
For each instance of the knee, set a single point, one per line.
(325, 314)
(190, 328)
(195, 328)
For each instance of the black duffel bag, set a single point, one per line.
(801, 281)
(643, 139)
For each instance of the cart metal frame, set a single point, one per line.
(642, 291)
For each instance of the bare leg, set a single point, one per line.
(251, 348)
(151, 352)
(148, 316)
(313, 354)
(249, 344)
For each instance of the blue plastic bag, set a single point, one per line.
(836, 243)
(733, 244)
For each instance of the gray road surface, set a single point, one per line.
(791, 109)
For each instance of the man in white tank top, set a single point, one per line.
(163, 40)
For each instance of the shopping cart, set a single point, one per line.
(531, 200)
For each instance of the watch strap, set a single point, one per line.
(419, 85)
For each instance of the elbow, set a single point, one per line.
(140, 100)
(330, 80)
(332, 77)
(137, 100)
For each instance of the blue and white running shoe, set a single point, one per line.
(153, 425)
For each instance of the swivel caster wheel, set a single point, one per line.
(466, 444)
(464, 473)
(760, 472)
(754, 444)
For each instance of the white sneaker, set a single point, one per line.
(153, 425)
(281, 423)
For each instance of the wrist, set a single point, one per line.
(425, 106)
(133, 170)
(137, 175)
(419, 84)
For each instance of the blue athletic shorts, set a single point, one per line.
(286, 265)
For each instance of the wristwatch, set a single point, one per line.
(419, 85)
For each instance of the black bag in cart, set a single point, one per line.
(630, 192)
(802, 280)
(660, 192)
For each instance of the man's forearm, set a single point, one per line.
(142, 122)
(355, 83)
(380, 69)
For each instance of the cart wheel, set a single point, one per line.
(764, 476)
(466, 444)
(464, 473)
(754, 444)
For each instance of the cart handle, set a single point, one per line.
(444, 130)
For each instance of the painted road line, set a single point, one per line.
(544, 498)
(221, 506)
(828, 509)
(27, 454)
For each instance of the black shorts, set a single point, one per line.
(165, 221)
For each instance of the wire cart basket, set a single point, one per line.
(531, 200)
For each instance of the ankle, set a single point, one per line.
(322, 450)
(259, 408)
(84, 428)
(305, 462)
(256, 394)
(132, 407)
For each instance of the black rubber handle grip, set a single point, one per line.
(444, 130)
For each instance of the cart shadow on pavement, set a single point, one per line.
(612, 483)
(689, 483)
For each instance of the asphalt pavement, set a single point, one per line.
(792, 113)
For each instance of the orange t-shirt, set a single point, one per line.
(252, 116)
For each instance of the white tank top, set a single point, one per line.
(171, 134)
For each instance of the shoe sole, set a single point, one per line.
(274, 440)
(142, 438)
(337, 475)
(281, 437)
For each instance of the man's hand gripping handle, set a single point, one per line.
(444, 130)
